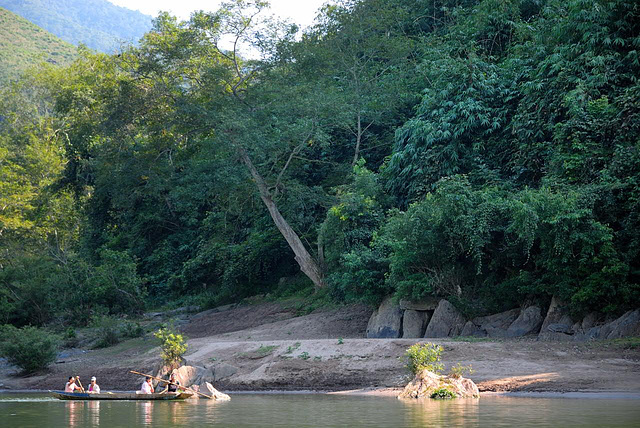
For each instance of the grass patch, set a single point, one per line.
(292, 348)
(472, 339)
(261, 352)
(625, 342)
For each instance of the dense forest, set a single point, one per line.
(23, 44)
(487, 151)
(98, 24)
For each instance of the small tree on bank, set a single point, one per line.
(173, 346)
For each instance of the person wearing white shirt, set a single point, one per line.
(147, 387)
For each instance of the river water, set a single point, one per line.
(321, 410)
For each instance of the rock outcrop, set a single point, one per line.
(446, 321)
(625, 326)
(492, 325)
(386, 321)
(191, 375)
(414, 323)
(223, 371)
(528, 322)
(207, 388)
(425, 383)
(557, 325)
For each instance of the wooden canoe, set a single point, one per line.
(119, 396)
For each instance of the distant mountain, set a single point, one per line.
(98, 24)
(24, 44)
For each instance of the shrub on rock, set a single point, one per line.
(428, 384)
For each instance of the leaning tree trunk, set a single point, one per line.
(307, 263)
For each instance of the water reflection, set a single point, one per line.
(146, 408)
(437, 413)
(315, 410)
(93, 411)
(74, 413)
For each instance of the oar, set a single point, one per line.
(80, 383)
(172, 383)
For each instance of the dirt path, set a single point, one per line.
(264, 347)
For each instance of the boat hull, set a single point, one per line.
(119, 396)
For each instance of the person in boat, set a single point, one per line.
(147, 387)
(173, 386)
(71, 385)
(93, 388)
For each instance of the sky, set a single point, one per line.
(301, 12)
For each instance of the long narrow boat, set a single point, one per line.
(118, 396)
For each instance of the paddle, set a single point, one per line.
(80, 383)
(172, 383)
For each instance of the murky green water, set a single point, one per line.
(317, 410)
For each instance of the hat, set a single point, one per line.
(93, 378)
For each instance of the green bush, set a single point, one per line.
(106, 331)
(30, 348)
(172, 344)
(459, 370)
(131, 329)
(443, 394)
(424, 357)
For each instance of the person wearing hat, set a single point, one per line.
(93, 387)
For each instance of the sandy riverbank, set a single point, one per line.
(265, 347)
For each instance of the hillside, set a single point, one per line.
(96, 23)
(23, 44)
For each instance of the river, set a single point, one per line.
(320, 410)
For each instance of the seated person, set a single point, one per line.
(93, 387)
(173, 386)
(71, 385)
(147, 387)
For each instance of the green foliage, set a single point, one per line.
(30, 348)
(109, 331)
(263, 351)
(424, 356)
(443, 394)
(25, 45)
(459, 241)
(292, 348)
(106, 331)
(459, 371)
(304, 356)
(96, 23)
(356, 264)
(172, 345)
(502, 153)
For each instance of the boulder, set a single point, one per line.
(429, 304)
(590, 321)
(625, 326)
(492, 326)
(528, 322)
(446, 321)
(207, 388)
(223, 371)
(414, 323)
(190, 375)
(557, 325)
(386, 321)
(470, 329)
(426, 382)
